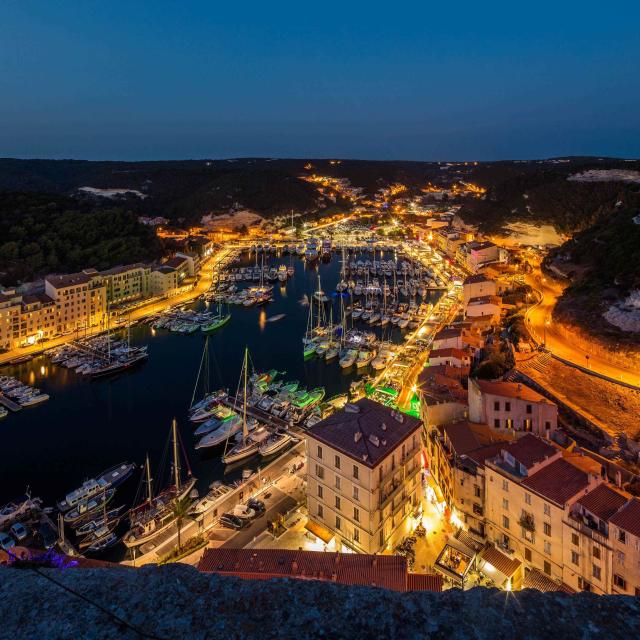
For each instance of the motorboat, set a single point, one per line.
(275, 443)
(348, 358)
(87, 507)
(364, 358)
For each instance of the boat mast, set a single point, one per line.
(245, 432)
(149, 480)
(176, 468)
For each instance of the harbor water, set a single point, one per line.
(89, 425)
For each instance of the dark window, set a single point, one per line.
(507, 406)
(547, 529)
(356, 535)
(319, 491)
(355, 471)
(622, 536)
(529, 409)
(574, 539)
(496, 423)
(320, 452)
(596, 553)
(619, 581)
(337, 502)
(527, 554)
(338, 522)
(547, 567)
(496, 406)
(320, 511)
(547, 425)
(337, 462)
(356, 514)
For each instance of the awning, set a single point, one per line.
(319, 531)
(495, 562)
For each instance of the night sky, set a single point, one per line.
(403, 80)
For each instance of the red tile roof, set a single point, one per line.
(530, 450)
(424, 582)
(366, 431)
(603, 502)
(476, 279)
(628, 518)
(503, 563)
(535, 579)
(511, 390)
(389, 572)
(558, 482)
(445, 334)
(450, 352)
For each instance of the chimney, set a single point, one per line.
(383, 426)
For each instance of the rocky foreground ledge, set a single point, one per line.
(176, 601)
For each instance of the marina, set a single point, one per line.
(352, 344)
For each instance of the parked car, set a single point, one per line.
(230, 521)
(6, 541)
(257, 505)
(19, 531)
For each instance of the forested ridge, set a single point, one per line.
(44, 233)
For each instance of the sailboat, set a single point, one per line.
(219, 320)
(155, 514)
(309, 345)
(249, 444)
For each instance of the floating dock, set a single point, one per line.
(10, 404)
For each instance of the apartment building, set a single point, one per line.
(80, 299)
(530, 489)
(473, 255)
(478, 286)
(127, 283)
(25, 319)
(457, 453)
(163, 281)
(511, 406)
(484, 307)
(452, 357)
(624, 528)
(588, 543)
(364, 474)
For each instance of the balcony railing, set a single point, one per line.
(594, 534)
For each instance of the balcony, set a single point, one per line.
(579, 524)
(527, 522)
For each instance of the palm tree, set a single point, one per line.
(180, 511)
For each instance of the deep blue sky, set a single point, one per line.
(424, 80)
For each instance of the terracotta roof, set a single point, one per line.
(510, 390)
(31, 298)
(535, 579)
(558, 481)
(485, 300)
(68, 279)
(603, 502)
(445, 334)
(462, 438)
(124, 268)
(450, 352)
(503, 563)
(477, 279)
(424, 582)
(628, 518)
(176, 262)
(481, 455)
(389, 572)
(366, 431)
(530, 450)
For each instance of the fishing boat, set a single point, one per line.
(364, 358)
(108, 539)
(156, 513)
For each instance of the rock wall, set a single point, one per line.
(175, 602)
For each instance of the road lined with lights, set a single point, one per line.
(545, 332)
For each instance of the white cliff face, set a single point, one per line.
(176, 602)
(606, 175)
(626, 314)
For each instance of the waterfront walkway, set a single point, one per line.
(152, 307)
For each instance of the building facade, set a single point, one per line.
(511, 406)
(363, 479)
